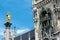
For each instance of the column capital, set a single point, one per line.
(7, 24)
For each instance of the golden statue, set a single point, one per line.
(8, 17)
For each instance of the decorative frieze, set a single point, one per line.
(42, 3)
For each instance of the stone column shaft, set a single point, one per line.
(7, 30)
(7, 34)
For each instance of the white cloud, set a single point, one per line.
(1, 32)
(18, 31)
(22, 31)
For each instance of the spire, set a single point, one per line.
(14, 31)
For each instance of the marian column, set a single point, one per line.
(8, 24)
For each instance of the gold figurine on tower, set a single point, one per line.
(8, 17)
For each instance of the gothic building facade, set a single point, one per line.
(46, 19)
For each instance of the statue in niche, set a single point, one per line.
(45, 20)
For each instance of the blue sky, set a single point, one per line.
(21, 15)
